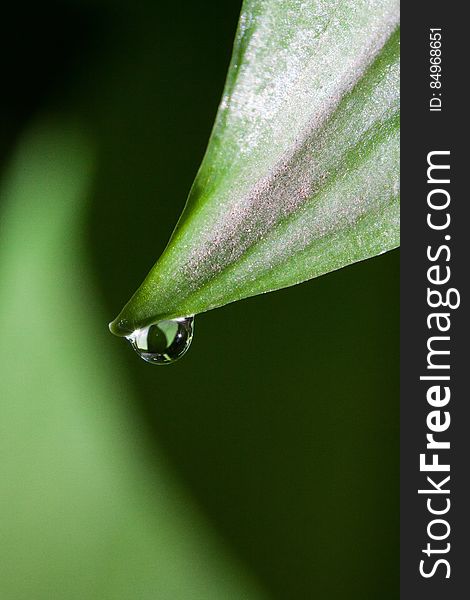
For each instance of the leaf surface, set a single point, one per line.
(301, 174)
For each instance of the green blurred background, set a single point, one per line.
(262, 465)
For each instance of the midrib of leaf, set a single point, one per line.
(214, 175)
(379, 135)
(365, 84)
(375, 134)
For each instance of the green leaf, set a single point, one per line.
(301, 174)
(86, 510)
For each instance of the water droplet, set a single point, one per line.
(163, 342)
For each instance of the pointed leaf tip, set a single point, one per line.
(301, 174)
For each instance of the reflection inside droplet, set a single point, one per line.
(163, 342)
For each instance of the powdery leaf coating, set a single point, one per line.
(301, 174)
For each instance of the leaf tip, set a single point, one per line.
(120, 327)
